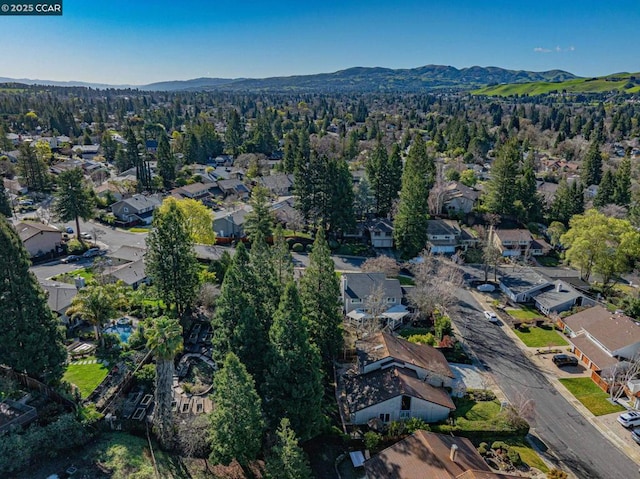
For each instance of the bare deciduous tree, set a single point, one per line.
(436, 279)
(437, 194)
(192, 435)
(618, 375)
(382, 264)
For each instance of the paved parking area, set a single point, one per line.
(471, 375)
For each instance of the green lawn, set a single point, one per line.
(406, 332)
(548, 261)
(527, 454)
(86, 377)
(534, 337)
(70, 277)
(406, 281)
(591, 396)
(524, 313)
(139, 229)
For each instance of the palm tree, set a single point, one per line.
(165, 340)
(97, 303)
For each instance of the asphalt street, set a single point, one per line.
(570, 438)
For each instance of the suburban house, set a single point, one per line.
(429, 455)
(230, 224)
(194, 191)
(39, 239)
(108, 188)
(383, 350)
(14, 186)
(459, 198)
(559, 297)
(59, 296)
(126, 254)
(137, 209)
(445, 236)
(233, 188)
(513, 242)
(280, 184)
(602, 340)
(132, 274)
(521, 283)
(381, 233)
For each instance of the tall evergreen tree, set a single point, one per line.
(236, 421)
(281, 258)
(165, 340)
(410, 224)
(166, 161)
(171, 260)
(528, 192)
(109, 147)
(32, 169)
(320, 295)
(293, 382)
(567, 202)
(260, 218)
(375, 168)
(622, 194)
(234, 134)
(5, 206)
(266, 294)
(29, 337)
(606, 190)
(235, 324)
(287, 459)
(502, 188)
(73, 200)
(592, 166)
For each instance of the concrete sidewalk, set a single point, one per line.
(609, 427)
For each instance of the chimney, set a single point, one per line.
(453, 453)
(559, 287)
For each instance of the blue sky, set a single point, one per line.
(138, 42)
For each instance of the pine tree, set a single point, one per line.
(568, 201)
(32, 169)
(236, 421)
(260, 218)
(528, 192)
(281, 258)
(166, 161)
(410, 224)
(235, 324)
(29, 337)
(171, 261)
(266, 294)
(502, 188)
(5, 206)
(234, 134)
(622, 194)
(287, 459)
(606, 190)
(73, 200)
(320, 295)
(592, 166)
(375, 169)
(293, 382)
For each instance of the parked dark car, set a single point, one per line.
(564, 360)
(91, 252)
(71, 259)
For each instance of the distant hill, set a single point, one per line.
(363, 79)
(621, 82)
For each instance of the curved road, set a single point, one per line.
(571, 439)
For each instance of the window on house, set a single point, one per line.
(125, 209)
(405, 405)
(376, 233)
(391, 300)
(384, 417)
(356, 301)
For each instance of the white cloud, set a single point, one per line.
(557, 49)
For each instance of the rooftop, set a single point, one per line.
(521, 279)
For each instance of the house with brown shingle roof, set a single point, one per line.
(382, 350)
(602, 339)
(430, 455)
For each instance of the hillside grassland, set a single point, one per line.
(622, 82)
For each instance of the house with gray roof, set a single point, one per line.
(358, 288)
(459, 198)
(39, 239)
(59, 297)
(230, 224)
(126, 254)
(280, 184)
(132, 274)
(559, 297)
(521, 283)
(137, 209)
(381, 232)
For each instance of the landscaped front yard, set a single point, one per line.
(591, 396)
(524, 313)
(540, 337)
(86, 374)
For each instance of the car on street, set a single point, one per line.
(86, 235)
(486, 288)
(72, 258)
(69, 230)
(635, 435)
(629, 419)
(91, 252)
(491, 316)
(564, 360)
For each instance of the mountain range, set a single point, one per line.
(362, 79)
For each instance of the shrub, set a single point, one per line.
(557, 474)
(483, 448)
(309, 247)
(396, 428)
(414, 424)
(499, 446)
(372, 440)
(514, 457)
(298, 247)
(428, 339)
(75, 247)
(146, 375)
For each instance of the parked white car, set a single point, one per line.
(486, 288)
(629, 419)
(491, 316)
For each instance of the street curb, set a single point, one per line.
(564, 392)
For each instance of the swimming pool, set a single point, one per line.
(122, 330)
